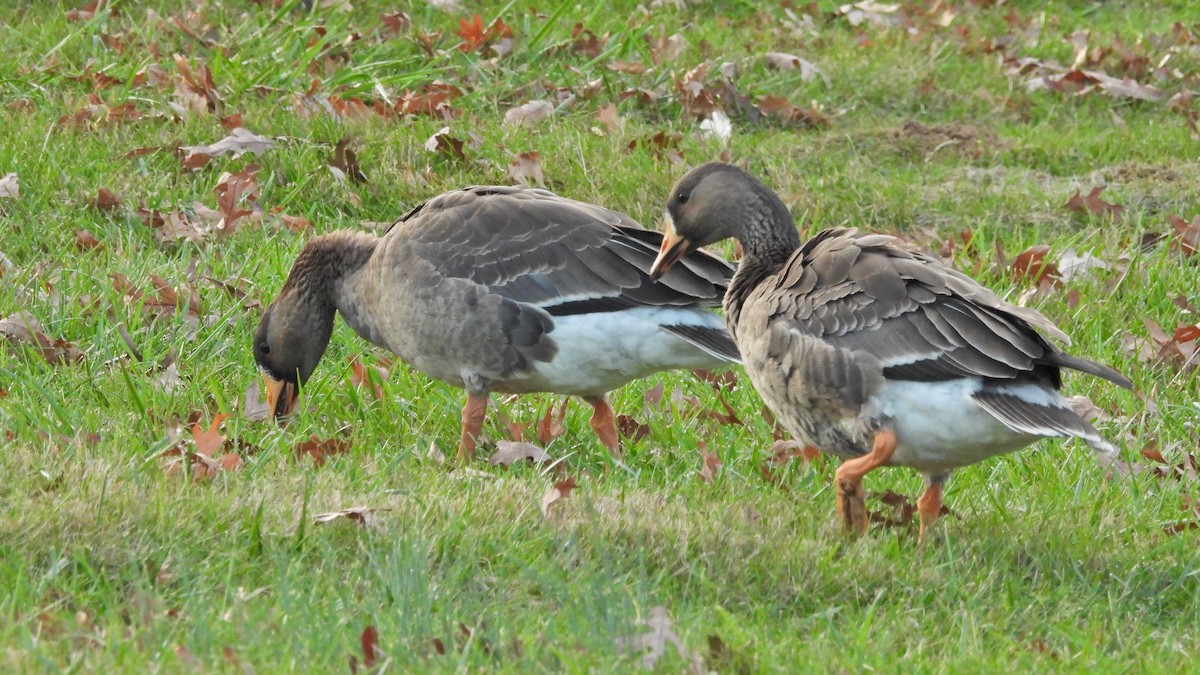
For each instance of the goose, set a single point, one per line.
(501, 288)
(873, 352)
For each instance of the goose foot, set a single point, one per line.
(852, 509)
(472, 426)
(929, 506)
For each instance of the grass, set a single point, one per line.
(110, 564)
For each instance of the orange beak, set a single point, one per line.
(281, 395)
(673, 248)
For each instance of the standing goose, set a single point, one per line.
(872, 352)
(501, 289)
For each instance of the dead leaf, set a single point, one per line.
(321, 450)
(443, 143)
(551, 427)
(105, 200)
(209, 440)
(808, 70)
(86, 241)
(653, 645)
(508, 452)
(526, 169)
(195, 90)
(631, 429)
(344, 163)
(255, 409)
(476, 37)
(529, 114)
(709, 465)
(609, 117)
(556, 493)
(232, 190)
(784, 110)
(360, 375)
(869, 11)
(369, 641)
(10, 186)
(1072, 266)
(295, 223)
(1093, 204)
(22, 329)
(238, 142)
(1186, 235)
(356, 514)
(1032, 263)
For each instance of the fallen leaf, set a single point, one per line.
(344, 163)
(653, 645)
(442, 142)
(784, 110)
(709, 465)
(526, 168)
(808, 70)
(475, 36)
(105, 200)
(631, 429)
(508, 452)
(360, 375)
(528, 114)
(1073, 266)
(295, 223)
(556, 493)
(86, 241)
(717, 126)
(1186, 235)
(255, 408)
(357, 514)
(209, 440)
(22, 329)
(321, 449)
(10, 186)
(232, 190)
(551, 427)
(238, 142)
(609, 117)
(1092, 203)
(195, 90)
(369, 640)
(1032, 263)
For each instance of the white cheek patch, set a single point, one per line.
(668, 222)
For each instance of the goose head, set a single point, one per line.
(289, 343)
(718, 201)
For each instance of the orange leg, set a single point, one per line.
(472, 426)
(929, 506)
(604, 423)
(851, 508)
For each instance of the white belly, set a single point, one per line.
(939, 427)
(600, 352)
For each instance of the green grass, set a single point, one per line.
(110, 564)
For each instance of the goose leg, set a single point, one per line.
(929, 506)
(472, 426)
(852, 509)
(604, 423)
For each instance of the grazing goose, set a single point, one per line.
(872, 352)
(501, 289)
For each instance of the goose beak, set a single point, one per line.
(281, 395)
(673, 248)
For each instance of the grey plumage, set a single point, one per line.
(847, 334)
(501, 288)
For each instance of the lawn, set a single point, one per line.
(146, 245)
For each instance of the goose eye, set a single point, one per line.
(681, 198)
(264, 349)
